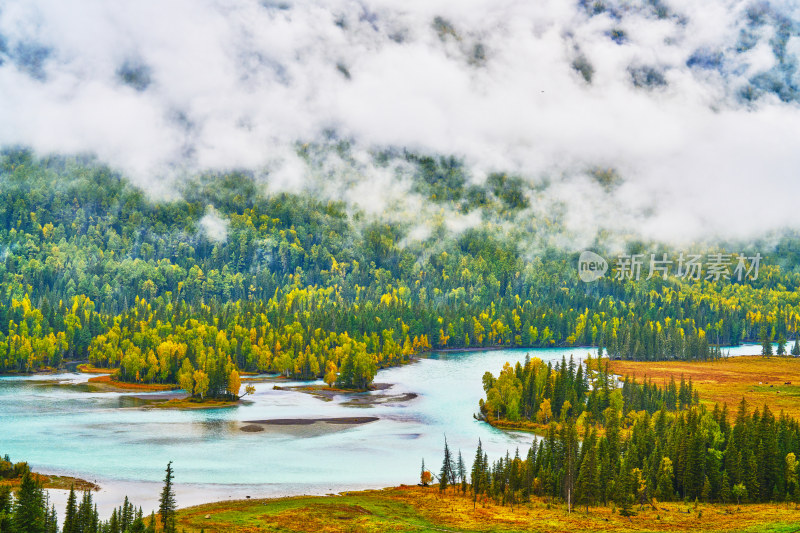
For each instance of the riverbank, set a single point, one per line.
(413, 508)
(54, 482)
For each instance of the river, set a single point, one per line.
(100, 436)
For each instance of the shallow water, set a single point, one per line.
(99, 436)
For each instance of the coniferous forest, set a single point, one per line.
(630, 442)
(93, 270)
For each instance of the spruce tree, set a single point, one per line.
(477, 474)
(766, 341)
(725, 489)
(137, 526)
(30, 512)
(151, 524)
(796, 347)
(586, 488)
(462, 473)
(166, 507)
(71, 514)
(5, 508)
(86, 516)
(446, 473)
(51, 520)
(781, 345)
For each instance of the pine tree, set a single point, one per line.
(5, 508)
(70, 517)
(113, 523)
(462, 473)
(766, 341)
(137, 526)
(30, 513)
(586, 488)
(725, 489)
(87, 520)
(446, 474)
(125, 515)
(151, 524)
(781, 345)
(796, 347)
(477, 474)
(51, 520)
(166, 507)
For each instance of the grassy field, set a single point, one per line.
(411, 508)
(774, 381)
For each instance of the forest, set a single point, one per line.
(28, 509)
(93, 270)
(637, 442)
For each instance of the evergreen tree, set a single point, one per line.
(766, 341)
(137, 526)
(446, 474)
(462, 473)
(30, 512)
(477, 474)
(781, 345)
(587, 489)
(151, 524)
(166, 507)
(725, 489)
(51, 519)
(796, 347)
(70, 516)
(5, 508)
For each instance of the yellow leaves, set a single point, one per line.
(201, 383)
(234, 383)
(545, 412)
(443, 338)
(331, 373)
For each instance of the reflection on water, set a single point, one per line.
(108, 437)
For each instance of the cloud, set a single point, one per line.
(694, 104)
(214, 226)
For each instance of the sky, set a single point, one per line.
(693, 104)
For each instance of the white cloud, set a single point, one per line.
(214, 226)
(237, 84)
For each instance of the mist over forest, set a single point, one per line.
(652, 119)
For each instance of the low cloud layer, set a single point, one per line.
(694, 105)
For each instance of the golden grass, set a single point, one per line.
(193, 403)
(54, 482)
(87, 368)
(414, 508)
(774, 381)
(107, 382)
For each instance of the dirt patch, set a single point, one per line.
(375, 396)
(309, 421)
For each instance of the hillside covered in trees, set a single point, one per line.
(228, 277)
(638, 442)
